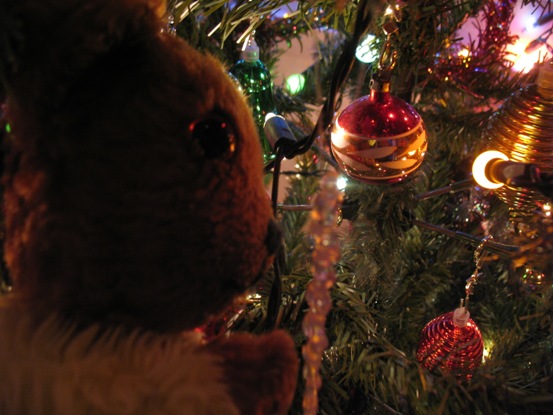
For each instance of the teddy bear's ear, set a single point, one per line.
(33, 35)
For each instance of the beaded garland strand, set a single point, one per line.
(324, 231)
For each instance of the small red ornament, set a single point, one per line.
(453, 342)
(379, 138)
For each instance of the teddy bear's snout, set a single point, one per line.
(273, 242)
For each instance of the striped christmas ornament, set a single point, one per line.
(453, 343)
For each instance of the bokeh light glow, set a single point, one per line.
(366, 51)
(295, 83)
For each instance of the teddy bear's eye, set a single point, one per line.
(214, 135)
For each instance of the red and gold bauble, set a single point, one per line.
(379, 138)
(453, 343)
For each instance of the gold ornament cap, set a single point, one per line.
(545, 80)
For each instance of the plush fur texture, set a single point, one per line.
(119, 219)
(55, 370)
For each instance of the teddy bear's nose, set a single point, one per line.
(273, 240)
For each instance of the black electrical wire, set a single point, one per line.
(275, 296)
(341, 72)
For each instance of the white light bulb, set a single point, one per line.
(341, 183)
(530, 24)
(479, 168)
(367, 52)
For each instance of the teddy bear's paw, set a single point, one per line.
(261, 371)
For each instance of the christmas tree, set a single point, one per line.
(407, 243)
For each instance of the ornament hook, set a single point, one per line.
(480, 255)
(388, 56)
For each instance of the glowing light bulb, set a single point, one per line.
(464, 53)
(341, 183)
(479, 168)
(295, 83)
(523, 61)
(530, 24)
(367, 52)
(488, 347)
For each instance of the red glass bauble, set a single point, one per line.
(379, 138)
(452, 342)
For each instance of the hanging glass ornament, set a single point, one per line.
(522, 129)
(256, 84)
(452, 342)
(379, 138)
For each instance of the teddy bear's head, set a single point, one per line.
(133, 183)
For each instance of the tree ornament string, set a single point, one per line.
(479, 257)
(323, 229)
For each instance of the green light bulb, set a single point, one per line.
(295, 83)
